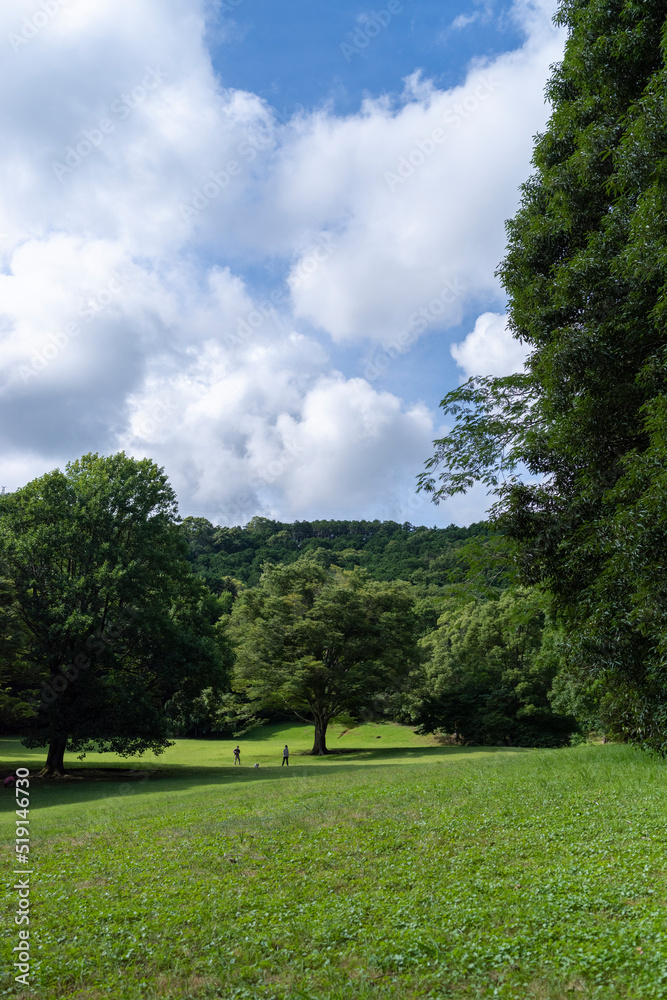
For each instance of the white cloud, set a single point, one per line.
(122, 136)
(138, 192)
(351, 444)
(271, 431)
(463, 20)
(414, 198)
(490, 348)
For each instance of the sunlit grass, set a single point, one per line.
(363, 744)
(432, 873)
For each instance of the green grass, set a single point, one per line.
(408, 871)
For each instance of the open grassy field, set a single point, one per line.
(403, 869)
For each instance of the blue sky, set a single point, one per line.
(303, 53)
(257, 241)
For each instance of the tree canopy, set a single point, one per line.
(489, 672)
(586, 273)
(226, 557)
(19, 677)
(322, 642)
(113, 620)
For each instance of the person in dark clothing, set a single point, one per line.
(285, 756)
(237, 755)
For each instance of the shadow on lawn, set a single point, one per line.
(97, 784)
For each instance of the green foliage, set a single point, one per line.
(586, 273)
(489, 673)
(111, 613)
(213, 713)
(19, 678)
(228, 558)
(321, 642)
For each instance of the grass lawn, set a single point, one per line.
(402, 869)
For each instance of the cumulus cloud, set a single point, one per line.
(269, 432)
(490, 348)
(139, 195)
(415, 197)
(351, 444)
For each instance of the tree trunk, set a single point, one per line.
(320, 743)
(55, 767)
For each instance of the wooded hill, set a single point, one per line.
(430, 557)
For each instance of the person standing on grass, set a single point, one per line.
(237, 755)
(285, 756)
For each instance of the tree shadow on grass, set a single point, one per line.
(110, 784)
(370, 753)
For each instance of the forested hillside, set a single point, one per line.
(430, 557)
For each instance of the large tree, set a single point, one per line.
(115, 621)
(489, 672)
(19, 678)
(322, 642)
(586, 273)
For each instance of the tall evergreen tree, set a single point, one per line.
(586, 273)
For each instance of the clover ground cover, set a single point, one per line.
(431, 873)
